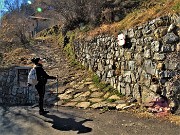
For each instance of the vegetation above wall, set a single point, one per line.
(148, 11)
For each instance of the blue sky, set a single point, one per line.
(2, 6)
(2, 3)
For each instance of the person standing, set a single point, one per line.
(42, 77)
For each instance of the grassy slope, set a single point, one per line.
(149, 10)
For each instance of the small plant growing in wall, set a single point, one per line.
(105, 87)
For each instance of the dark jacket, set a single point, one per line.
(42, 76)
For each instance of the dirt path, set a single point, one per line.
(71, 121)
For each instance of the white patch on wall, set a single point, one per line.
(121, 39)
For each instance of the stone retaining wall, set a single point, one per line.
(13, 87)
(147, 62)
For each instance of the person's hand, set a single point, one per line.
(28, 84)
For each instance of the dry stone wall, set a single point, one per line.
(13, 87)
(146, 64)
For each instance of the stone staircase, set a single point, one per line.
(75, 87)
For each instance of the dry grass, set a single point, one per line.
(16, 57)
(170, 117)
(138, 17)
(174, 119)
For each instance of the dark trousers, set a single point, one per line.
(41, 91)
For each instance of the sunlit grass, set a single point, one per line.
(138, 17)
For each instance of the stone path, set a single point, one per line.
(75, 87)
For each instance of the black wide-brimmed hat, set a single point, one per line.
(35, 60)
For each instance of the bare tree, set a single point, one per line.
(76, 11)
(14, 27)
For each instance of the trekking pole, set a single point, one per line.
(57, 92)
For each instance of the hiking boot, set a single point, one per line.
(43, 112)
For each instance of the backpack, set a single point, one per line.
(32, 77)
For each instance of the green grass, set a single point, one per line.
(105, 87)
(96, 79)
(176, 7)
(111, 100)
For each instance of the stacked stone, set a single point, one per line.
(139, 68)
(10, 91)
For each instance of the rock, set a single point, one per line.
(128, 55)
(167, 74)
(170, 38)
(158, 56)
(150, 67)
(139, 34)
(110, 73)
(128, 90)
(171, 28)
(137, 91)
(154, 88)
(100, 66)
(155, 46)
(94, 89)
(167, 48)
(94, 100)
(80, 87)
(107, 95)
(131, 33)
(131, 65)
(139, 49)
(178, 47)
(99, 105)
(79, 99)
(147, 53)
(147, 95)
(111, 105)
(91, 86)
(84, 105)
(133, 78)
(75, 86)
(115, 97)
(157, 33)
(120, 101)
(148, 32)
(123, 91)
(120, 106)
(127, 107)
(68, 91)
(116, 18)
(127, 76)
(132, 100)
(138, 59)
(73, 83)
(160, 66)
(172, 65)
(64, 96)
(88, 79)
(85, 94)
(96, 94)
(78, 94)
(87, 83)
(145, 78)
(70, 104)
